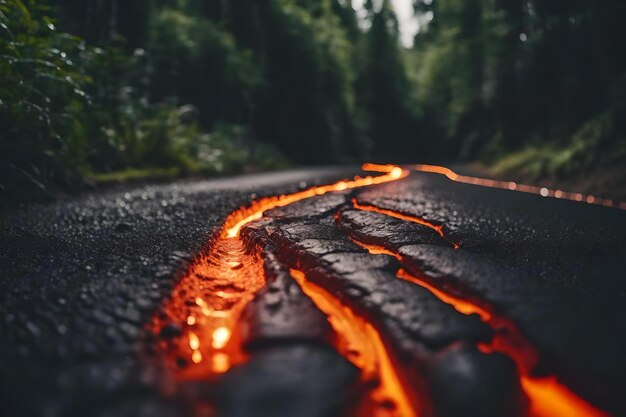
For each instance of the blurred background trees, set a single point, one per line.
(106, 89)
(534, 86)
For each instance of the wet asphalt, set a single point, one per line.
(80, 279)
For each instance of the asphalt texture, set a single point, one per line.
(80, 279)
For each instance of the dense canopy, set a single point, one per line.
(89, 89)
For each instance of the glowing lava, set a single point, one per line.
(245, 215)
(548, 398)
(513, 186)
(206, 304)
(208, 301)
(359, 342)
(198, 323)
(397, 215)
(460, 305)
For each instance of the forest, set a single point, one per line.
(104, 90)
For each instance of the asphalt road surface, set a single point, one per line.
(418, 296)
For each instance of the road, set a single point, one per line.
(411, 295)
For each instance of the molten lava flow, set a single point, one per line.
(548, 398)
(513, 186)
(206, 304)
(376, 250)
(198, 323)
(402, 216)
(459, 305)
(462, 306)
(245, 215)
(359, 342)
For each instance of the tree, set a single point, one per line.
(102, 22)
(386, 92)
(307, 107)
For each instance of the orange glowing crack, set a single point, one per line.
(359, 342)
(548, 398)
(509, 342)
(207, 303)
(375, 249)
(255, 211)
(210, 298)
(460, 305)
(513, 186)
(396, 214)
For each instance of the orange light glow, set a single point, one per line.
(549, 398)
(508, 185)
(462, 306)
(220, 363)
(221, 335)
(459, 305)
(376, 250)
(359, 342)
(255, 211)
(212, 295)
(194, 342)
(196, 356)
(396, 173)
(395, 214)
(209, 299)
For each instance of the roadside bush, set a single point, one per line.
(70, 111)
(41, 99)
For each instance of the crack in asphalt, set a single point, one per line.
(236, 265)
(361, 343)
(210, 298)
(547, 396)
(403, 216)
(514, 186)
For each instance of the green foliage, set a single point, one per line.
(69, 110)
(196, 61)
(41, 94)
(170, 142)
(155, 87)
(308, 107)
(540, 80)
(387, 92)
(195, 87)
